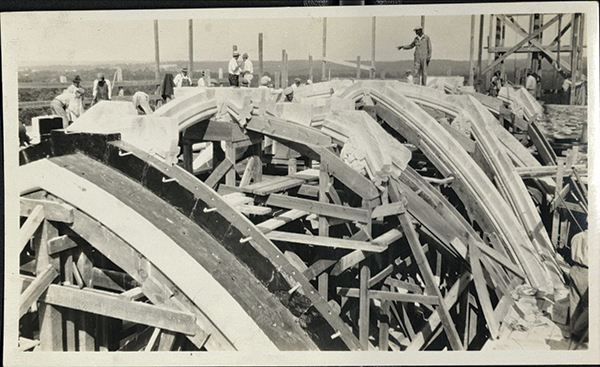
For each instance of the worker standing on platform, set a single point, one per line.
(496, 84)
(234, 70)
(182, 79)
(422, 46)
(248, 69)
(102, 89)
(531, 84)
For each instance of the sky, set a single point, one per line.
(125, 37)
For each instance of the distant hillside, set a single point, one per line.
(297, 68)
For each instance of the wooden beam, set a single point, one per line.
(36, 288)
(482, 291)
(59, 244)
(364, 302)
(324, 241)
(317, 268)
(541, 143)
(404, 285)
(288, 130)
(388, 209)
(30, 226)
(219, 172)
(281, 220)
(429, 280)
(54, 211)
(434, 320)
(311, 206)
(348, 176)
(105, 303)
(527, 39)
(390, 296)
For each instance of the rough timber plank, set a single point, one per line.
(104, 303)
(281, 220)
(390, 296)
(429, 280)
(30, 226)
(482, 292)
(324, 241)
(311, 206)
(53, 211)
(219, 172)
(288, 130)
(36, 288)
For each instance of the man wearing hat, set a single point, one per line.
(531, 83)
(289, 94)
(422, 46)
(234, 70)
(248, 70)
(264, 82)
(102, 89)
(296, 83)
(182, 79)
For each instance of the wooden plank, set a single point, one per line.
(249, 172)
(285, 183)
(462, 139)
(248, 209)
(388, 237)
(324, 241)
(348, 261)
(390, 296)
(364, 302)
(482, 292)
(36, 288)
(384, 324)
(132, 294)
(386, 210)
(434, 320)
(348, 176)
(30, 226)
(556, 213)
(50, 317)
(325, 183)
(281, 220)
(397, 263)
(317, 268)
(104, 303)
(541, 143)
(429, 280)
(500, 259)
(287, 130)
(54, 211)
(311, 206)
(60, 243)
(219, 172)
(404, 285)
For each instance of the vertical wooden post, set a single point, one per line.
(191, 49)
(156, 53)
(373, 39)
(558, 37)
(207, 77)
(384, 323)
(69, 314)
(50, 318)
(260, 56)
(283, 76)
(86, 322)
(277, 80)
(357, 67)
(363, 312)
(502, 38)
(287, 71)
(324, 184)
(188, 156)
(560, 162)
(310, 67)
(323, 75)
(574, 44)
(423, 23)
(581, 101)
(230, 153)
(489, 43)
(472, 52)
(498, 43)
(529, 54)
(427, 275)
(480, 49)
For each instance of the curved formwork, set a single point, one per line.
(351, 250)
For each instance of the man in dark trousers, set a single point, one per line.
(102, 89)
(422, 46)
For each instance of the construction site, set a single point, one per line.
(364, 214)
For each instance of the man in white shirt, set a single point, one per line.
(234, 69)
(531, 84)
(248, 69)
(296, 84)
(182, 79)
(264, 82)
(102, 89)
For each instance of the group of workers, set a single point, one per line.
(70, 104)
(241, 72)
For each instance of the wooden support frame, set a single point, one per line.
(428, 278)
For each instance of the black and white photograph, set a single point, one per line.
(312, 185)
